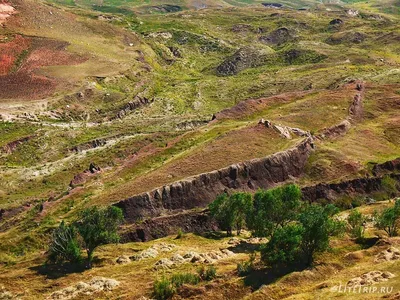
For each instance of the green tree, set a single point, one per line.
(98, 226)
(284, 248)
(219, 209)
(356, 221)
(231, 211)
(240, 205)
(318, 224)
(273, 209)
(389, 219)
(64, 245)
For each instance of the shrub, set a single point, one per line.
(356, 221)
(389, 185)
(319, 225)
(389, 219)
(244, 268)
(180, 234)
(184, 278)
(64, 245)
(163, 289)
(208, 273)
(284, 248)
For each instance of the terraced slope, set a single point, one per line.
(103, 102)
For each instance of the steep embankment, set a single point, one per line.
(200, 190)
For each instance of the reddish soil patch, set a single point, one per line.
(21, 57)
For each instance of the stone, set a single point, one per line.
(124, 259)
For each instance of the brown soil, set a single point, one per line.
(22, 57)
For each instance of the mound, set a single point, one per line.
(244, 58)
(389, 254)
(347, 38)
(277, 37)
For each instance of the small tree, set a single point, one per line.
(273, 209)
(64, 245)
(231, 211)
(356, 222)
(221, 212)
(318, 226)
(240, 205)
(284, 248)
(389, 219)
(98, 226)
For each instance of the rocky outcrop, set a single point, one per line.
(331, 191)
(244, 58)
(12, 146)
(81, 178)
(389, 166)
(193, 221)
(356, 111)
(200, 190)
(89, 145)
(133, 105)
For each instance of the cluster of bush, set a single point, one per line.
(165, 288)
(95, 226)
(296, 230)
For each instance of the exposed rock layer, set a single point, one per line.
(200, 190)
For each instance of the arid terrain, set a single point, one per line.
(157, 107)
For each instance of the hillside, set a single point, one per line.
(158, 107)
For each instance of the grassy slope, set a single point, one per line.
(146, 149)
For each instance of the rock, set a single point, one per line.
(148, 253)
(190, 255)
(197, 258)
(93, 168)
(177, 259)
(97, 284)
(227, 252)
(389, 254)
(370, 278)
(283, 131)
(336, 22)
(124, 259)
(272, 5)
(353, 12)
(164, 263)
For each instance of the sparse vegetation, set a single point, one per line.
(356, 222)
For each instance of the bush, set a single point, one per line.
(319, 225)
(64, 245)
(163, 289)
(389, 185)
(389, 219)
(356, 221)
(208, 273)
(180, 234)
(244, 268)
(184, 278)
(284, 248)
